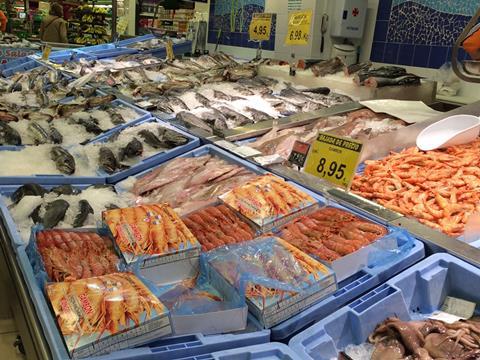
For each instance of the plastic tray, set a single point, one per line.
(107, 52)
(166, 348)
(348, 289)
(58, 57)
(152, 160)
(413, 294)
(23, 66)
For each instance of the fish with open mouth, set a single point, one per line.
(133, 149)
(38, 133)
(189, 120)
(108, 162)
(64, 161)
(8, 135)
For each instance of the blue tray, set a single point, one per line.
(109, 53)
(153, 160)
(58, 57)
(348, 289)
(20, 67)
(175, 347)
(136, 39)
(413, 294)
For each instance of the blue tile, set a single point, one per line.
(378, 49)
(405, 54)
(384, 8)
(390, 54)
(438, 55)
(381, 30)
(421, 55)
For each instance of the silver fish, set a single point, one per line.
(38, 133)
(190, 119)
(64, 161)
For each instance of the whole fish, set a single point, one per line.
(257, 115)
(215, 119)
(151, 139)
(353, 69)
(27, 190)
(320, 90)
(108, 162)
(390, 72)
(99, 100)
(296, 97)
(54, 213)
(241, 72)
(64, 161)
(66, 189)
(328, 67)
(161, 103)
(189, 120)
(84, 209)
(42, 98)
(115, 117)
(376, 82)
(6, 117)
(174, 101)
(202, 99)
(38, 133)
(65, 110)
(244, 91)
(8, 135)
(221, 95)
(134, 148)
(237, 118)
(172, 138)
(90, 126)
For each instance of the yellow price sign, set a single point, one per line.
(169, 49)
(47, 49)
(260, 27)
(298, 31)
(122, 24)
(334, 159)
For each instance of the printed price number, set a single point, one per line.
(298, 32)
(260, 27)
(334, 159)
(299, 153)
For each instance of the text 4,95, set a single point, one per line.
(334, 169)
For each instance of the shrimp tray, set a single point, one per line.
(277, 279)
(151, 235)
(106, 313)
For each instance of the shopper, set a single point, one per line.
(54, 28)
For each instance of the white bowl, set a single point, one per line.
(454, 130)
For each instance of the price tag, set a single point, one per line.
(122, 24)
(298, 31)
(299, 153)
(260, 27)
(46, 52)
(169, 49)
(334, 159)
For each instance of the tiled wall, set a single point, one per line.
(233, 18)
(420, 32)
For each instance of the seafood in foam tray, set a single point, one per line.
(189, 183)
(62, 206)
(438, 187)
(331, 233)
(91, 312)
(148, 230)
(362, 125)
(217, 226)
(266, 200)
(271, 272)
(74, 255)
(420, 340)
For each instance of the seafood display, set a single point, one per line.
(61, 207)
(217, 226)
(119, 152)
(385, 76)
(437, 187)
(362, 125)
(188, 183)
(331, 233)
(12, 40)
(267, 199)
(92, 311)
(74, 255)
(270, 271)
(423, 340)
(148, 230)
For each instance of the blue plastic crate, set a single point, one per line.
(414, 294)
(348, 289)
(175, 347)
(59, 57)
(136, 39)
(153, 160)
(178, 49)
(21, 67)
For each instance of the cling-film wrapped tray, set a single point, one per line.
(106, 313)
(153, 234)
(268, 201)
(277, 279)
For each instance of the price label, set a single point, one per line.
(47, 49)
(169, 49)
(334, 159)
(298, 31)
(260, 27)
(299, 153)
(122, 24)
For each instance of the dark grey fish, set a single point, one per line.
(65, 190)
(214, 118)
(103, 186)
(319, 90)
(171, 138)
(202, 99)
(66, 110)
(64, 161)
(99, 100)
(352, 69)
(8, 135)
(54, 213)
(151, 139)
(90, 125)
(266, 81)
(237, 118)
(294, 96)
(108, 162)
(177, 102)
(84, 210)
(116, 118)
(38, 133)
(27, 190)
(331, 66)
(390, 72)
(134, 148)
(244, 91)
(189, 120)
(221, 95)
(35, 215)
(376, 82)
(257, 115)
(55, 136)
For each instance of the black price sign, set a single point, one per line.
(299, 153)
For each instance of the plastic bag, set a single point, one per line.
(448, 83)
(390, 247)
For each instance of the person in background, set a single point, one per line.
(3, 22)
(472, 43)
(54, 28)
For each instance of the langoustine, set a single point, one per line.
(439, 187)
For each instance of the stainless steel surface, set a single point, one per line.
(23, 310)
(262, 127)
(457, 67)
